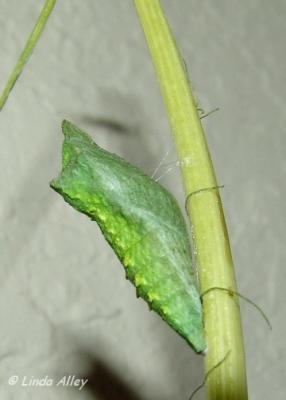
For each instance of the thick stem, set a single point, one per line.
(27, 51)
(215, 266)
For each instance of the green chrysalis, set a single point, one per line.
(143, 224)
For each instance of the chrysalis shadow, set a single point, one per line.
(104, 380)
(120, 124)
(107, 123)
(105, 383)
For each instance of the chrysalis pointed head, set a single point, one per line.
(76, 141)
(75, 179)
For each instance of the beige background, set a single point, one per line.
(65, 307)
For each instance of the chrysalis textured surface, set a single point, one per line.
(143, 224)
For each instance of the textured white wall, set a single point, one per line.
(65, 306)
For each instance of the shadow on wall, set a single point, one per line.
(106, 379)
(106, 384)
(122, 127)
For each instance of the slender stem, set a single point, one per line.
(27, 51)
(214, 261)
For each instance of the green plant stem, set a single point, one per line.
(213, 256)
(24, 56)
